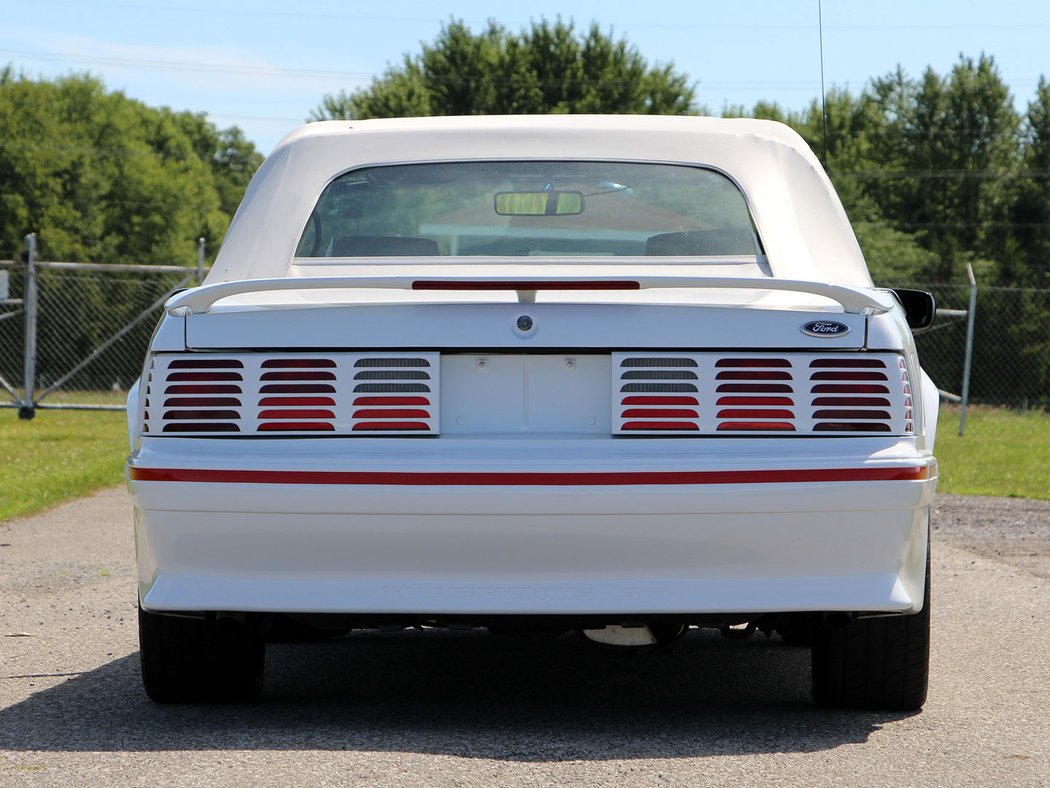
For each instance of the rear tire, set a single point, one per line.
(874, 663)
(798, 630)
(197, 660)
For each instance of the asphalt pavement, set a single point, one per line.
(466, 709)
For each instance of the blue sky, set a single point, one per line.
(263, 65)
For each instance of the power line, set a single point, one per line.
(332, 74)
(186, 65)
(191, 65)
(302, 13)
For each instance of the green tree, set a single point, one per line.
(1031, 208)
(892, 101)
(893, 257)
(103, 178)
(230, 156)
(846, 133)
(950, 148)
(547, 68)
(924, 165)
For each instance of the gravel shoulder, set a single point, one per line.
(1014, 531)
(436, 708)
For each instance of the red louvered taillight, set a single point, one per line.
(198, 395)
(754, 395)
(394, 394)
(710, 393)
(348, 394)
(656, 394)
(851, 395)
(294, 379)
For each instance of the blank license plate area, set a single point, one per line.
(486, 394)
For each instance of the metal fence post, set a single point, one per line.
(201, 246)
(26, 408)
(969, 349)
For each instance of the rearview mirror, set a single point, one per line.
(920, 308)
(539, 203)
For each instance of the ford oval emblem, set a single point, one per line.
(825, 328)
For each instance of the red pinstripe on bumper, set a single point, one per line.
(453, 479)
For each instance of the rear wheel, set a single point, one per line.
(200, 660)
(874, 663)
(797, 630)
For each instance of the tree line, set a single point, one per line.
(104, 178)
(935, 172)
(938, 172)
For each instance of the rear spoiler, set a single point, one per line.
(853, 300)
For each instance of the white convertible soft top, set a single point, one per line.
(799, 218)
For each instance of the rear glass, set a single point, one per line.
(521, 209)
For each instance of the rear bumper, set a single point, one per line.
(531, 527)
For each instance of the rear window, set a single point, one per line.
(522, 209)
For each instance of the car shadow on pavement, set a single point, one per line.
(466, 695)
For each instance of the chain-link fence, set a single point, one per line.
(93, 323)
(1010, 355)
(942, 348)
(73, 335)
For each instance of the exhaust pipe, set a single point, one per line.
(838, 619)
(229, 623)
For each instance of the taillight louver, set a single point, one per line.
(754, 394)
(909, 419)
(195, 396)
(145, 397)
(857, 395)
(395, 394)
(743, 395)
(656, 394)
(300, 395)
(292, 395)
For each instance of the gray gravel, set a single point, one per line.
(435, 708)
(1015, 531)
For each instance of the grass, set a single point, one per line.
(64, 454)
(57, 456)
(85, 397)
(1004, 453)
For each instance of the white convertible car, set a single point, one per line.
(622, 375)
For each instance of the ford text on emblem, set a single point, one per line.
(825, 328)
